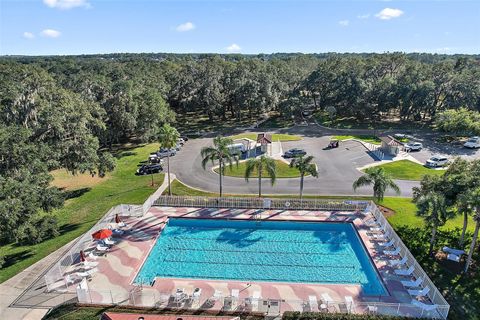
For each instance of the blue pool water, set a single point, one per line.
(329, 253)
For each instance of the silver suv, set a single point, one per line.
(436, 161)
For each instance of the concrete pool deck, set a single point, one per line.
(113, 282)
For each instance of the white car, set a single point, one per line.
(413, 146)
(473, 143)
(436, 161)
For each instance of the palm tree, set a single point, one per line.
(260, 165)
(221, 152)
(473, 199)
(381, 182)
(433, 209)
(464, 208)
(168, 138)
(305, 167)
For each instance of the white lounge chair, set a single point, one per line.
(387, 244)
(456, 252)
(235, 295)
(404, 272)
(71, 279)
(398, 262)
(411, 283)
(92, 256)
(380, 236)
(217, 294)
(350, 304)
(371, 222)
(86, 274)
(102, 248)
(313, 303)
(392, 252)
(121, 224)
(253, 300)
(376, 229)
(89, 264)
(453, 257)
(424, 306)
(419, 292)
(197, 292)
(109, 241)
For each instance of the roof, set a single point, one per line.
(136, 316)
(391, 141)
(264, 138)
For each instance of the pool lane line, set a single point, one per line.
(263, 264)
(266, 252)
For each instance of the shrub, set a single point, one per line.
(289, 315)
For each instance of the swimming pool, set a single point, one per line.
(301, 252)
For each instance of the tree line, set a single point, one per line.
(70, 112)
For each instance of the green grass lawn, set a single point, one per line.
(80, 213)
(408, 170)
(275, 137)
(369, 139)
(282, 168)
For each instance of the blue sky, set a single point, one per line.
(49, 27)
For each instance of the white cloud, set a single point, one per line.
(344, 23)
(50, 33)
(363, 16)
(233, 48)
(389, 13)
(66, 4)
(187, 26)
(28, 35)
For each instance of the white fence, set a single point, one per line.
(55, 278)
(147, 298)
(261, 203)
(434, 295)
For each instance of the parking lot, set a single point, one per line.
(337, 170)
(450, 150)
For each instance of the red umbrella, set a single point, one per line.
(82, 256)
(102, 234)
(117, 219)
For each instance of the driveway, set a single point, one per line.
(337, 170)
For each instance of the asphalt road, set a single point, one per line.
(336, 167)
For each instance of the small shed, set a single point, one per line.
(264, 139)
(390, 145)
